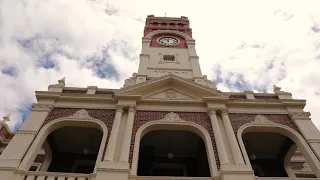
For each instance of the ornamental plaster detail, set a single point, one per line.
(172, 117)
(306, 167)
(171, 94)
(42, 107)
(300, 115)
(259, 119)
(82, 113)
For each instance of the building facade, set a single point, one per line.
(168, 121)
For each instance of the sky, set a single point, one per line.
(242, 45)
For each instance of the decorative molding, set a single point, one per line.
(259, 119)
(132, 109)
(172, 117)
(82, 113)
(171, 94)
(300, 115)
(212, 112)
(26, 132)
(120, 108)
(306, 167)
(313, 140)
(223, 111)
(42, 107)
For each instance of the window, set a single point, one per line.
(168, 57)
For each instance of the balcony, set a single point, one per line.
(31, 175)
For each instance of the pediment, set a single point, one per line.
(171, 86)
(169, 94)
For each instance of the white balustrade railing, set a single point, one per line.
(35, 175)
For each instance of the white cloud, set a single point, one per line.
(240, 37)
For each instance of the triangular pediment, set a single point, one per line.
(171, 87)
(169, 94)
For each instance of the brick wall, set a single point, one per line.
(104, 115)
(237, 120)
(142, 117)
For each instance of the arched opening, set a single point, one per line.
(74, 149)
(267, 152)
(274, 145)
(75, 145)
(173, 153)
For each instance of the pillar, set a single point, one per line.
(114, 134)
(223, 156)
(235, 149)
(126, 143)
(18, 146)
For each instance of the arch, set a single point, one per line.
(153, 33)
(48, 156)
(174, 125)
(285, 131)
(59, 123)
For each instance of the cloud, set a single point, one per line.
(242, 45)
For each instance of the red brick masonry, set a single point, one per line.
(203, 119)
(104, 115)
(237, 120)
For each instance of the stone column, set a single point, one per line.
(223, 156)
(18, 146)
(124, 156)
(113, 135)
(235, 149)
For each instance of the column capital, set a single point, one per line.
(132, 109)
(120, 108)
(212, 111)
(223, 111)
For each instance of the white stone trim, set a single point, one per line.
(174, 125)
(59, 123)
(285, 131)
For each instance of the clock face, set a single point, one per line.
(168, 41)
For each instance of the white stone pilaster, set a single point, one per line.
(235, 149)
(223, 156)
(20, 143)
(126, 143)
(109, 156)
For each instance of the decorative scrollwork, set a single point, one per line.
(259, 119)
(172, 117)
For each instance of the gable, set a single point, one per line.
(180, 87)
(169, 94)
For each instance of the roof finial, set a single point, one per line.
(6, 118)
(165, 14)
(276, 88)
(62, 81)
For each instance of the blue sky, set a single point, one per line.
(242, 45)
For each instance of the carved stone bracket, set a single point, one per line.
(42, 107)
(300, 115)
(259, 119)
(81, 114)
(172, 117)
(212, 111)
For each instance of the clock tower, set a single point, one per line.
(168, 48)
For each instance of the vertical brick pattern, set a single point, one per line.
(237, 120)
(104, 115)
(203, 119)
